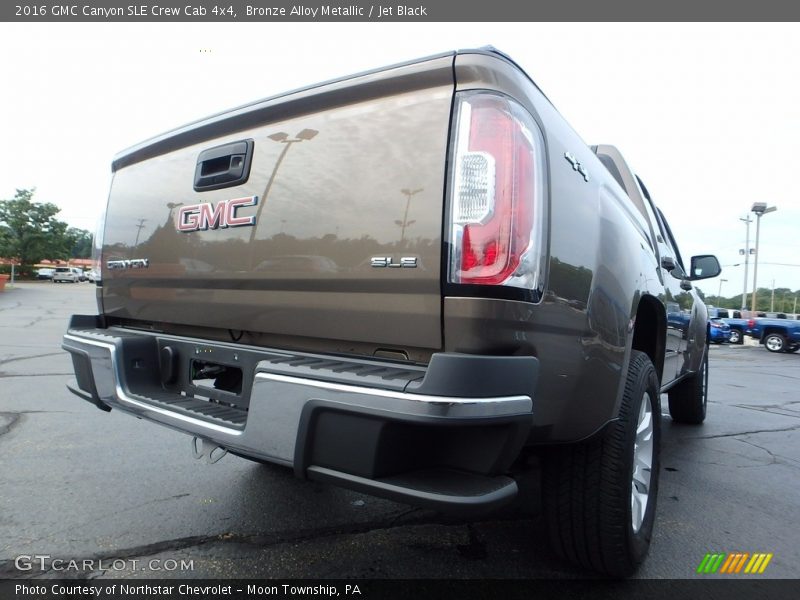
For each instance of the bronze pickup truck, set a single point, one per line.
(401, 282)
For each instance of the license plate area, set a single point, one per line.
(217, 374)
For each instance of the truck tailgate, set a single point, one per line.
(346, 191)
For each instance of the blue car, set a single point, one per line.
(718, 331)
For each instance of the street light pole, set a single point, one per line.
(772, 302)
(405, 222)
(747, 222)
(760, 208)
(281, 138)
(719, 292)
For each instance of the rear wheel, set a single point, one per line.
(600, 496)
(794, 348)
(688, 400)
(736, 336)
(775, 342)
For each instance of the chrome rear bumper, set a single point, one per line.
(384, 428)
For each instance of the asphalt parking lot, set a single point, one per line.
(78, 483)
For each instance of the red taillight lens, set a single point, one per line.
(751, 323)
(497, 188)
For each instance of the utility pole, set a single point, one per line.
(747, 222)
(139, 228)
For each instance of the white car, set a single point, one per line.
(66, 274)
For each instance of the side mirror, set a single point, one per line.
(704, 266)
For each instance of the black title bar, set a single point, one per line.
(414, 11)
(359, 589)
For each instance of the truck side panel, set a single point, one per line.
(600, 259)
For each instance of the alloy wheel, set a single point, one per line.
(642, 463)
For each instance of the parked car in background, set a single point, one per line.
(718, 331)
(723, 313)
(65, 274)
(739, 328)
(733, 318)
(45, 273)
(777, 335)
(93, 275)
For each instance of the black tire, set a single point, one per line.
(774, 342)
(736, 337)
(794, 348)
(587, 487)
(689, 399)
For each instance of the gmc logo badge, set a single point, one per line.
(202, 217)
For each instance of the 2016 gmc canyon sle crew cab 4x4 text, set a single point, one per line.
(399, 282)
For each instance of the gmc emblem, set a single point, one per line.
(201, 217)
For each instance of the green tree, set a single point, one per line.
(30, 232)
(80, 242)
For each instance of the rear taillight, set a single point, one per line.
(751, 323)
(497, 193)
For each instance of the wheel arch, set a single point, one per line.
(650, 331)
(774, 329)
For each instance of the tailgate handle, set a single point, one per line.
(223, 166)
